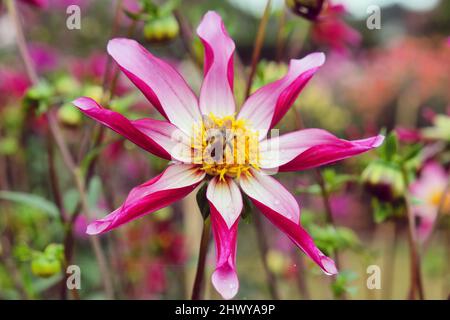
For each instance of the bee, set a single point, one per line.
(218, 139)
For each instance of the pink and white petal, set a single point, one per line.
(173, 184)
(224, 277)
(283, 213)
(125, 127)
(265, 108)
(225, 196)
(216, 94)
(172, 139)
(163, 86)
(225, 201)
(309, 148)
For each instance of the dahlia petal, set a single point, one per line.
(168, 136)
(283, 215)
(264, 108)
(172, 184)
(309, 148)
(216, 94)
(226, 198)
(157, 137)
(163, 86)
(224, 277)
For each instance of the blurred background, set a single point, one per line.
(387, 70)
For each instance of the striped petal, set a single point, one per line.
(216, 94)
(225, 201)
(281, 208)
(161, 138)
(163, 86)
(176, 182)
(309, 148)
(265, 108)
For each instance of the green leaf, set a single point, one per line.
(31, 200)
(202, 201)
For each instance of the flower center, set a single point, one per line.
(225, 146)
(436, 198)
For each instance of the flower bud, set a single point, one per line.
(309, 9)
(384, 181)
(69, 115)
(43, 266)
(161, 29)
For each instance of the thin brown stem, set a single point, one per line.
(258, 46)
(301, 279)
(416, 287)
(21, 42)
(197, 290)
(81, 187)
(281, 37)
(187, 36)
(329, 215)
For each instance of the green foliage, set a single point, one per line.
(329, 238)
(383, 211)
(440, 129)
(342, 283)
(31, 200)
(333, 182)
(39, 97)
(8, 146)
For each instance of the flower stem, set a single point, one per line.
(21, 42)
(281, 38)
(81, 187)
(330, 217)
(197, 289)
(301, 279)
(416, 287)
(258, 46)
(263, 249)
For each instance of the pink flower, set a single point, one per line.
(185, 133)
(429, 190)
(332, 31)
(408, 135)
(12, 84)
(44, 58)
(37, 3)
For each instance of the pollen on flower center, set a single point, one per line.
(225, 146)
(435, 199)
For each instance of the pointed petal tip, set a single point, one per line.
(311, 61)
(116, 44)
(83, 103)
(226, 283)
(328, 266)
(97, 227)
(378, 141)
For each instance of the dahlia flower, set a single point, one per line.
(207, 141)
(429, 191)
(330, 29)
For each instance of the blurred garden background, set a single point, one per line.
(387, 208)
